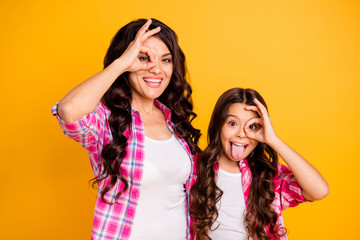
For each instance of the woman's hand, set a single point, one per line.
(260, 129)
(131, 55)
(84, 98)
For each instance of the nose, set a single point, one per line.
(241, 133)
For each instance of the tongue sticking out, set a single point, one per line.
(237, 151)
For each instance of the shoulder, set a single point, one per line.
(104, 110)
(283, 175)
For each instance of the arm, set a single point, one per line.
(84, 98)
(314, 186)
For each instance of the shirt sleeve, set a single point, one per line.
(89, 130)
(290, 190)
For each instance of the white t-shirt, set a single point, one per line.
(231, 208)
(161, 212)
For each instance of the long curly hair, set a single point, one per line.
(177, 97)
(263, 161)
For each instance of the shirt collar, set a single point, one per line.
(165, 110)
(244, 165)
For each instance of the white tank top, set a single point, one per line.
(161, 212)
(231, 208)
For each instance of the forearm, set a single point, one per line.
(84, 98)
(314, 186)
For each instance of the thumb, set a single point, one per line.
(252, 127)
(249, 133)
(149, 65)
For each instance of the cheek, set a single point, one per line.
(228, 132)
(225, 147)
(253, 145)
(225, 136)
(168, 70)
(132, 78)
(223, 142)
(137, 74)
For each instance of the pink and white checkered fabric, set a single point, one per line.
(287, 191)
(93, 133)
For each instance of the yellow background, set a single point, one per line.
(302, 56)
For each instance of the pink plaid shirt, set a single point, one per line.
(287, 191)
(93, 133)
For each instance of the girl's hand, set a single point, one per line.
(314, 186)
(131, 55)
(260, 129)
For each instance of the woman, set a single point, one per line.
(134, 118)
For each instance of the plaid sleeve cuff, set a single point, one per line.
(291, 192)
(72, 130)
(86, 130)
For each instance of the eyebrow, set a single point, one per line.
(231, 115)
(164, 55)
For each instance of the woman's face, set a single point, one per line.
(151, 83)
(235, 144)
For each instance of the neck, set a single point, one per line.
(145, 106)
(228, 165)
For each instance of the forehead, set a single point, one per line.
(237, 110)
(156, 45)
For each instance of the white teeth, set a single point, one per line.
(152, 80)
(239, 145)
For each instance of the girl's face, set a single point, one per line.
(151, 83)
(236, 146)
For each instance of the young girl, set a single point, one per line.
(241, 188)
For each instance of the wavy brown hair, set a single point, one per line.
(177, 97)
(263, 161)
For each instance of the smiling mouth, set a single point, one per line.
(153, 82)
(237, 150)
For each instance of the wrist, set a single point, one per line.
(118, 66)
(274, 142)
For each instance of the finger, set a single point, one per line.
(256, 133)
(143, 29)
(254, 109)
(149, 53)
(263, 111)
(149, 65)
(151, 33)
(261, 107)
(146, 65)
(251, 135)
(256, 121)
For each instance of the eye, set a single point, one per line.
(232, 123)
(143, 58)
(254, 126)
(167, 60)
